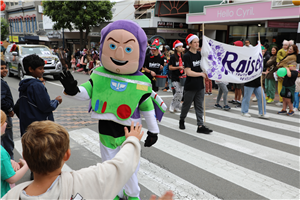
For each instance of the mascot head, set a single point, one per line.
(123, 47)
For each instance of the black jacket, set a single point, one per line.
(7, 101)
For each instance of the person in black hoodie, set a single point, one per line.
(34, 100)
(7, 104)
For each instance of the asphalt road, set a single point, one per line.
(244, 158)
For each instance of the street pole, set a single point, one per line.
(10, 32)
(297, 3)
(298, 42)
(63, 38)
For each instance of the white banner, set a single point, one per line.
(228, 63)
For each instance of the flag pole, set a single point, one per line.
(261, 86)
(204, 114)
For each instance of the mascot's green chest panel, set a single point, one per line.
(117, 94)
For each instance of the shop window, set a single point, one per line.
(12, 25)
(21, 23)
(237, 33)
(32, 21)
(26, 25)
(18, 29)
(29, 29)
(35, 23)
(253, 31)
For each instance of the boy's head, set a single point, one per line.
(45, 144)
(3, 69)
(34, 65)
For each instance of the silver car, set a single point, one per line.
(14, 59)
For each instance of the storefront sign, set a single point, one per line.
(228, 63)
(171, 30)
(243, 12)
(21, 39)
(180, 25)
(164, 24)
(54, 34)
(74, 41)
(14, 38)
(277, 24)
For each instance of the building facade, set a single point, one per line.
(274, 20)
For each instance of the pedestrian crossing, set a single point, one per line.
(239, 160)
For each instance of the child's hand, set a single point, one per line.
(167, 196)
(59, 99)
(15, 165)
(134, 131)
(22, 163)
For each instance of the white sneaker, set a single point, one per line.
(169, 90)
(254, 99)
(279, 104)
(177, 110)
(295, 109)
(192, 106)
(171, 108)
(246, 115)
(264, 116)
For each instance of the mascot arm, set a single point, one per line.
(147, 110)
(82, 95)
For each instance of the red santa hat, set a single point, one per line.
(238, 43)
(190, 38)
(177, 43)
(155, 44)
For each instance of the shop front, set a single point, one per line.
(246, 20)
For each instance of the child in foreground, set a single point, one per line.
(46, 148)
(8, 175)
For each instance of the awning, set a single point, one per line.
(44, 38)
(31, 37)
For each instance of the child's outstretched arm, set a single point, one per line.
(109, 177)
(19, 174)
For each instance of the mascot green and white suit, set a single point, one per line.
(119, 93)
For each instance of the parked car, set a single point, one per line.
(14, 59)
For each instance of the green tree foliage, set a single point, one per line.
(81, 15)
(4, 28)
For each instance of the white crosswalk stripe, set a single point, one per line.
(269, 123)
(283, 118)
(274, 109)
(244, 146)
(249, 130)
(157, 179)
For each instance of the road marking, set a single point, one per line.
(275, 116)
(284, 127)
(276, 109)
(248, 179)
(259, 151)
(54, 83)
(156, 179)
(249, 130)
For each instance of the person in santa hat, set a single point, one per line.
(154, 63)
(177, 69)
(2, 48)
(194, 87)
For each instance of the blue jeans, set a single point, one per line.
(246, 99)
(296, 101)
(7, 140)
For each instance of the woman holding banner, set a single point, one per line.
(194, 87)
(254, 86)
(176, 66)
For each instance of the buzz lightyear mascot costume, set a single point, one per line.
(119, 93)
